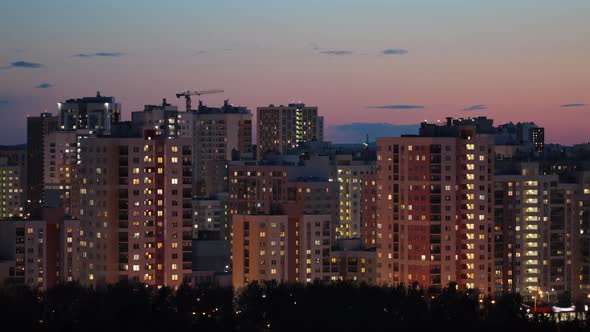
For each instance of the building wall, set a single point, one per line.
(354, 265)
(368, 215)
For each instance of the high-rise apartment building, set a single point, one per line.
(59, 171)
(38, 127)
(304, 203)
(219, 135)
(164, 119)
(13, 181)
(90, 113)
(540, 226)
(350, 174)
(281, 128)
(537, 139)
(40, 253)
(435, 215)
(135, 209)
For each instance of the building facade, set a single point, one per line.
(136, 210)
(281, 128)
(434, 210)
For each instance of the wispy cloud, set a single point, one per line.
(356, 132)
(3, 101)
(574, 105)
(22, 64)
(200, 52)
(44, 86)
(314, 46)
(394, 51)
(100, 54)
(337, 52)
(397, 107)
(475, 108)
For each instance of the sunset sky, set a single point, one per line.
(360, 62)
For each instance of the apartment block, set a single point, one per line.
(540, 225)
(59, 170)
(90, 113)
(219, 136)
(350, 173)
(13, 184)
(434, 210)
(40, 253)
(136, 209)
(281, 128)
(38, 127)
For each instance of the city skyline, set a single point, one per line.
(510, 62)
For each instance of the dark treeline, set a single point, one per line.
(261, 307)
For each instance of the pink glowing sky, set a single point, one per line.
(523, 61)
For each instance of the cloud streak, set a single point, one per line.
(100, 54)
(394, 51)
(397, 107)
(356, 132)
(475, 108)
(23, 64)
(44, 86)
(336, 52)
(574, 105)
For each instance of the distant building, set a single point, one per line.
(537, 139)
(164, 119)
(38, 127)
(350, 262)
(351, 171)
(434, 212)
(90, 113)
(136, 209)
(40, 253)
(60, 171)
(281, 128)
(541, 243)
(13, 181)
(219, 135)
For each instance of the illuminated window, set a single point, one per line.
(175, 149)
(470, 146)
(135, 267)
(175, 181)
(174, 160)
(175, 277)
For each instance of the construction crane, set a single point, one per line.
(187, 95)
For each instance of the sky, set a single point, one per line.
(366, 64)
